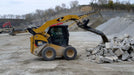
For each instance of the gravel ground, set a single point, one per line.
(16, 59)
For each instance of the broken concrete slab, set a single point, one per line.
(99, 59)
(111, 52)
(108, 59)
(89, 49)
(132, 54)
(88, 54)
(130, 60)
(132, 46)
(119, 60)
(108, 45)
(102, 45)
(115, 43)
(92, 57)
(125, 56)
(100, 52)
(124, 36)
(105, 51)
(119, 52)
(126, 47)
(95, 51)
(115, 58)
(132, 42)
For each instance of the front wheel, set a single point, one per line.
(49, 53)
(70, 53)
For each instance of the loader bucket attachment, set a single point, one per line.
(88, 28)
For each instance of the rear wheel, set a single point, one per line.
(70, 53)
(48, 53)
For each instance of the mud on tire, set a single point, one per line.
(70, 53)
(48, 53)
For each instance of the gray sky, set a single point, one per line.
(19, 7)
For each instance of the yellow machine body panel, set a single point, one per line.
(36, 37)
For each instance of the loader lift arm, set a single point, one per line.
(67, 18)
(55, 21)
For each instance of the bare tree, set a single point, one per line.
(102, 1)
(58, 8)
(74, 4)
(17, 16)
(29, 17)
(23, 17)
(11, 16)
(63, 5)
(4, 16)
(39, 13)
(51, 12)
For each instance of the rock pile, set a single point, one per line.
(116, 50)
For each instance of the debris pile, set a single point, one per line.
(116, 50)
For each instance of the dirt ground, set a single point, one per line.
(16, 59)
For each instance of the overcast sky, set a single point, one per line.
(19, 7)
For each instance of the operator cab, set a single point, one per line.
(59, 35)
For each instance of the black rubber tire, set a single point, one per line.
(48, 49)
(65, 53)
